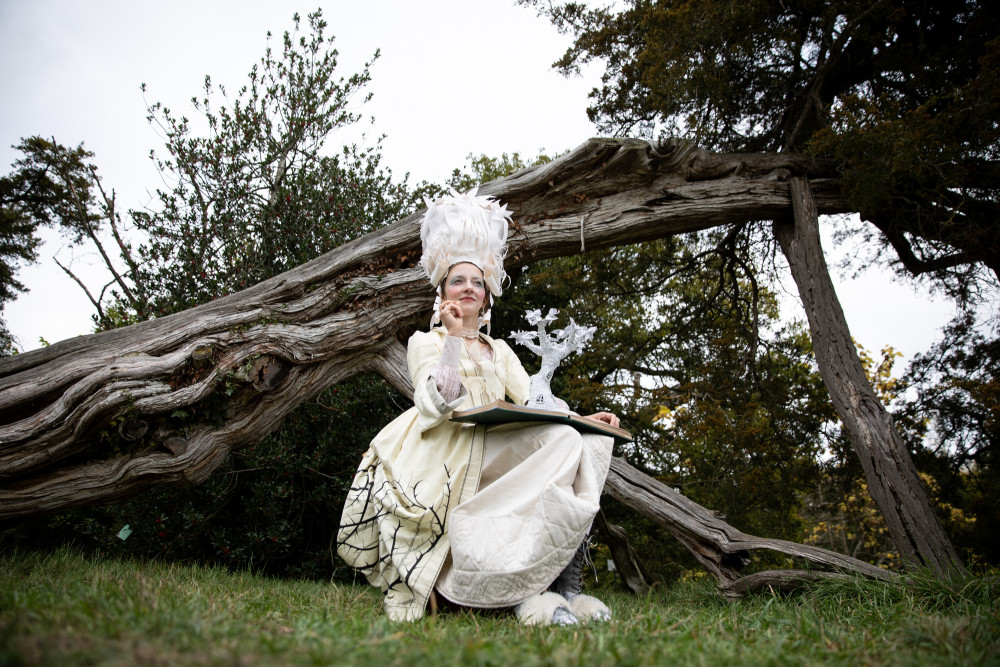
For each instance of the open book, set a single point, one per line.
(502, 412)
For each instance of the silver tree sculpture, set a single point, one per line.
(552, 348)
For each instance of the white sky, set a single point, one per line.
(455, 77)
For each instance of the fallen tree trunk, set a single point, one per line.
(101, 417)
(224, 374)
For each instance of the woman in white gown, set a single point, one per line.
(488, 516)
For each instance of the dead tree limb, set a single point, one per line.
(627, 564)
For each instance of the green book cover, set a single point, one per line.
(502, 412)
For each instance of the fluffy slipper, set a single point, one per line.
(545, 609)
(589, 608)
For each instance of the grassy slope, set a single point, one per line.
(65, 608)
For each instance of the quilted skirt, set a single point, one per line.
(538, 495)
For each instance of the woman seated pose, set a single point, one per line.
(487, 517)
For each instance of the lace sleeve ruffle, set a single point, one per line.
(445, 374)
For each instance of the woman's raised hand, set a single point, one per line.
(451, 317)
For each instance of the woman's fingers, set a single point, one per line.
(609, 418)
(451, 313)
(606, 417)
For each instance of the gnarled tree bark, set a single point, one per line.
(224, 374)
(892, 478)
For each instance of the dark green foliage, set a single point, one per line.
(957, 394)
(19, 195)
(904, 94)
(763, 75)
(260, 193)
(52, 186)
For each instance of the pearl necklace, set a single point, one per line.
(471, 334)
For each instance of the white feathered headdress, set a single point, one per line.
(465, 228)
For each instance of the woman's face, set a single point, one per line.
(465, 284)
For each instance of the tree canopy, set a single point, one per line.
(903, 94)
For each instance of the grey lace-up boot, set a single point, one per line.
(569, 584)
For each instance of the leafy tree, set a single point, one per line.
(259, 193)
(253, 191)
(52, 186)
(955, 394)
(255, 196)
(903, 93)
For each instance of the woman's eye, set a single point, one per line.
(475, 283)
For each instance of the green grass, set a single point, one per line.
(65, 608)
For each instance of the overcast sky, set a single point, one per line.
(454, 77)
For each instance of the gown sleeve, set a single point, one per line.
(423, 354)
(446, 376)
